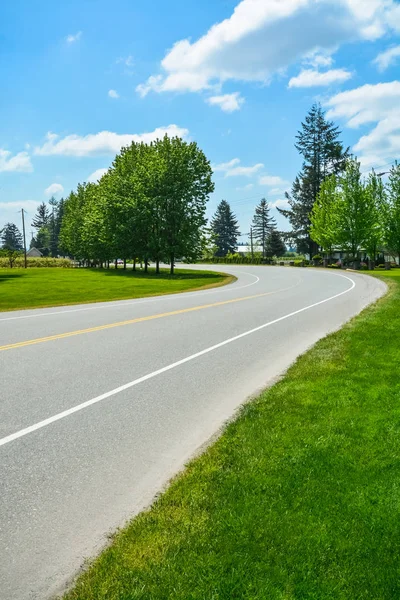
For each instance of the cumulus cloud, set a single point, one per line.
(9, 211)
(386, 59)
(104, 142)
(371, 104)
(233, 168)
(261, 38)
(227, 102)
(97, 175)
(245, 188)
(54, 189)
(282, 203)
(113, 94)
(73, 37)
(271, 180)
(312, 78)
(18, 162)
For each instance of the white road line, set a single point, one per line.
(122, 388)
(122, 303)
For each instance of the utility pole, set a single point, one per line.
(23, 230)
(251, 243)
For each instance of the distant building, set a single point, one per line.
(34, 253)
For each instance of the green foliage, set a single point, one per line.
(323, 222)
(36, 262)
(42, 217)
(11, 237)
(263, 225)
(224, 224)
(323, 156)
(150, 204)
(391, 215)
(275, 245)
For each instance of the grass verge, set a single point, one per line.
(34, 288)
(298, 499)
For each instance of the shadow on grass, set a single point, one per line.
(7, 276)
(179, 275)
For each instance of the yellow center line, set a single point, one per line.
(60, 336)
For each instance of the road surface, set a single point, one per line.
(100, 404)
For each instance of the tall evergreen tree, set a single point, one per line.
(42, 217)
(263, 225)
(11, 237)
(275, 245)
(224, 224)
(323, 155)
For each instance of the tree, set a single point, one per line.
(354, 217)
(183, 184)
(375, 205)
(323, 215)
(42, 217)
(391, 222)
(11, 241)
(263, 225)
(275, 245)
(225, 227)
(323, 155)
(43, 240)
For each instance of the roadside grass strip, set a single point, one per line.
(36, 288)
(298, 499)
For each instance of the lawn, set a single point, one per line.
(33, 288)
(298, 499)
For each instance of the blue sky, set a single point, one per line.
(81, 78)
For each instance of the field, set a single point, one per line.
(33, 288)
(298, 499)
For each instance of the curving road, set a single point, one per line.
(100, 404)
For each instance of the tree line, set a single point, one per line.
(358, 215)
(149, 206)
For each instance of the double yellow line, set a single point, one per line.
(182, 311)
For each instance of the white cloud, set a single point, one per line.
(9, 213)
(317, 60)
(113, 94)
(377, 104)
(18, 162)
(263, 37)
(126, 60)
(97, 175)
(54, 189)
(276, 192)
(227, 102)
(234, 169)
(271, 180)
(245, 188)
(387, 58)
(104, 142)
(282, 203)
(311, 78)
(73, 37)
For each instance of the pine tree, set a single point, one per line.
(263, 225)
(42, 217)
(275, 245)
(225, 227)
(11, 238)
(323, 155)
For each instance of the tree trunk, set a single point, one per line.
(116, 264)
(134, 265)
(108, 264)
(146, 266)
(172, 270)
(157, 266)
(124, 264)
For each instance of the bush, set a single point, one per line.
(317, 257)
(333, 266)
(38, 262)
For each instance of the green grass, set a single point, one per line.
(33, 288)
(298, 499)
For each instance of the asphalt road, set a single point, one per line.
(93, 424)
